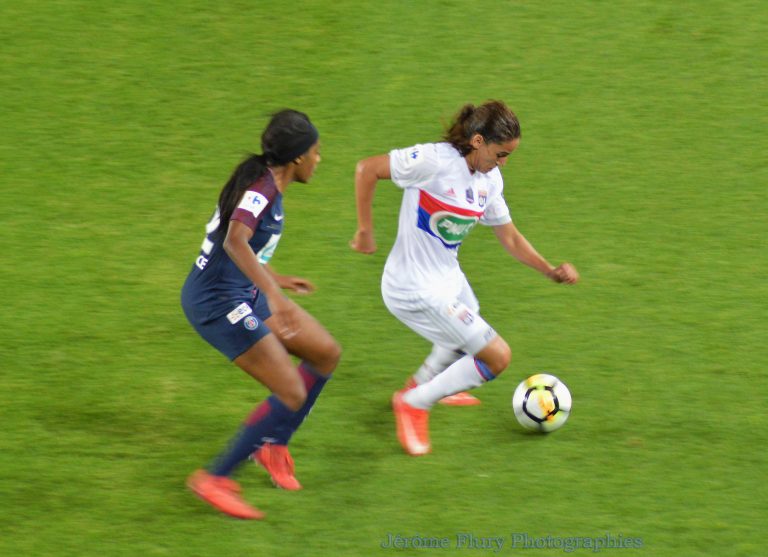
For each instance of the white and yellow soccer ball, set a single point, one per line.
(542, 403)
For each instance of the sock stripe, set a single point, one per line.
(309, 375)
(258, 413)
(484, 370)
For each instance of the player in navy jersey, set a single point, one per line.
(233, 299)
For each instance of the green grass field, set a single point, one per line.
(642, 162)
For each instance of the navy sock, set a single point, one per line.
(258, 429)
(314, 383)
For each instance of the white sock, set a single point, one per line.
(466, 373)
(437, 361)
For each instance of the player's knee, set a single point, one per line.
(499, 358)
(330, 354)
(333, 354)
(505, 358)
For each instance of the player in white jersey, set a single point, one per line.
(448, 188)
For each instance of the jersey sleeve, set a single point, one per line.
(411, 166)
(254, 204)
(497, 211)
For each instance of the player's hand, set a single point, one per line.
(284, 316)
(565, 273)
(363, 242)
(296, 284)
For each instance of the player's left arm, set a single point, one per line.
(521, 249)
(367, 174)
(298, 285)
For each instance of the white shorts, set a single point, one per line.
(452, 323)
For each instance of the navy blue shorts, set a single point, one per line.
(235, 332)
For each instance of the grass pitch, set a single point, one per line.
(642, 162)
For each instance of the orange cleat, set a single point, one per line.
(222, 493)
(459, 399)
(412, 426)
(278, 462)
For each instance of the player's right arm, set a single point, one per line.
(367, 173)
(239, 250)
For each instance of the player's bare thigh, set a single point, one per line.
(312, 342)
(268, 362)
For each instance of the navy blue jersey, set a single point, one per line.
(215, 285)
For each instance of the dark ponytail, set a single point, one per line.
(246, 173)
(492, 120)
(288, 135)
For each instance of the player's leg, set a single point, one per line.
(313, 343)
(469, 372)
(453, 325)
(436, 362)
(268, 362)
(441, 358)
(319, 353)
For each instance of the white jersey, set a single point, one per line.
(442, 202)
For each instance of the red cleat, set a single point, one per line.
(222, 493)
(459, 399)
(412, 426)
(278, 462)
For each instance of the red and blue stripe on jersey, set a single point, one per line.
(447, 223)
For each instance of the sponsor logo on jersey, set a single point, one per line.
(470, 195)
(450, 228)
(201, 262)
(251, 323)
(445, 222)
(239, 312)
(253, 202)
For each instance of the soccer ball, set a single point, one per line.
(542, 403)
